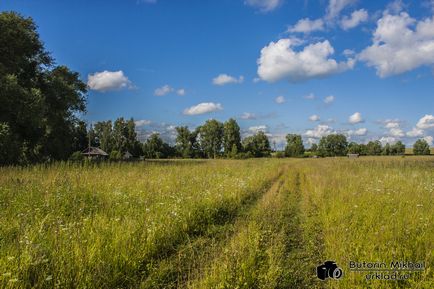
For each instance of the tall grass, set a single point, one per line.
(263, 223)
(106, 226)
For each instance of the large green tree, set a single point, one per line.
(333, 145)
(231, 137)
(374, 148)
(421, 147)
(257, 145)
(39, 100)
(156, 148)
(211, 138)
(184, 142)
(294, 145)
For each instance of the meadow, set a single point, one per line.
(259, 223)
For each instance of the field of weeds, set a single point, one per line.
(262, 223)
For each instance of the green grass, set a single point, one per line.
(263, 223)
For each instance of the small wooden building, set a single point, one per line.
(95, 153)
(127, 156)
(353, 156)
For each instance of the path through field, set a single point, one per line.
(215, 224)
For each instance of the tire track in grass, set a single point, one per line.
(267, 250)
(185, 261)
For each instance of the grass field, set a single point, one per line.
(261, 223)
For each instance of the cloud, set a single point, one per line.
(180, 91)
(279, 61)
(108, 80)
(165, 89)
(224, 79)
(396, 132)
(356, 18)
(392, 123)
(429, 139)
(306, 26)
(309, 96)
(264, 5)
(387, 140)
(280, 99)
(202, 108)
(426, 122)
(142, 122)
(329, 99)
(314, 117)
(415, 132)
(248, 116)
(256, 129)
(336, 6)
(355, 118)
(319, 131)
(400, 44)
(358, 132)
(348, 52)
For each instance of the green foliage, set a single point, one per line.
(294, 146)
(156, 148)
(115, 155)
(374, 148)
(186, 142)
(333, 145)
(39, 101)
(76, 156)
(211, 138)
(231, 137)
(257, 145)
(421, 147)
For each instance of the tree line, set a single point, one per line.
(41, 104)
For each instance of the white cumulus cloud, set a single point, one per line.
(264, 5)
(400, 44)
(279, 61)
(306, 26)
(336, 6)
(426, 122)
(355, 118)
(319, 131)
(248, 116)
(142, 122)
(180, 91)
(165, 89)
(309, 96)
(280, 99)
(202, 108)
(354, 20)
(108, 80)
(415, 132)
(329, 99)
(429, 139)
(256, 129)
(314, 117)
(223, 79)
(358, 132)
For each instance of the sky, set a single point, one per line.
(357, 67)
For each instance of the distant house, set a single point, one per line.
(353, 156)
(95, 153)
(127, 156)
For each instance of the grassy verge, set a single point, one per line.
(107, 226)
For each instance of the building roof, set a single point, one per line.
(127, 155)
(94, 151)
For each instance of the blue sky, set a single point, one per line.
(362, 68)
